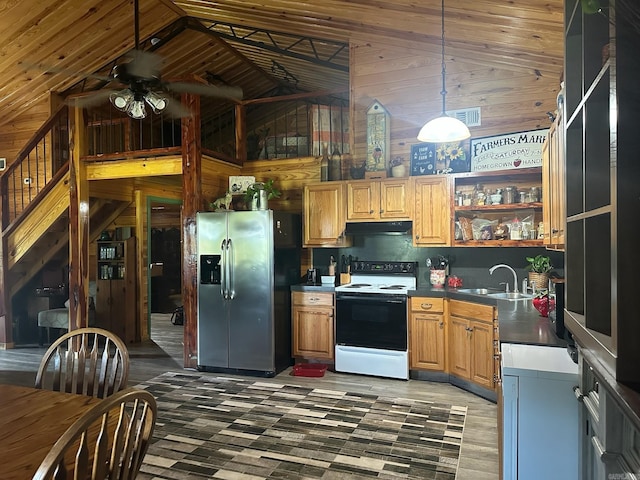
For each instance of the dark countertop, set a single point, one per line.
(305, 287)
(519, 321)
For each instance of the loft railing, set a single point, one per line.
(294, 126)
(46, 153)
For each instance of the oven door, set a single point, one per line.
(372, 321)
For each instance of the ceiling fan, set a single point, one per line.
(144, 85)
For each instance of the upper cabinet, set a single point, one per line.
(324, 215)
(497, 209)
(388, 199)
(602, 101)
(431, 217)
(553, 179)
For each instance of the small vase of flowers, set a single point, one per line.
(544, 303)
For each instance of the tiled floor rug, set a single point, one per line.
(217, 427)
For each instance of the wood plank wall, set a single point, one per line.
(15, 134)
(407, 82)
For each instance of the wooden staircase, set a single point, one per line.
(35, 213)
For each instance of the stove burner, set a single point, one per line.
(358, 285)
(393, 287)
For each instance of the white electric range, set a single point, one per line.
(371, 319)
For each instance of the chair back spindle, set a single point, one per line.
(86, 361)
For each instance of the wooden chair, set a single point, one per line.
(87, 361)
(108, 441)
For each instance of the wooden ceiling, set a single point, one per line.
(262, 46)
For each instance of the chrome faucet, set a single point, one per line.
(515, 275)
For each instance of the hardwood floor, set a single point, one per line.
(479, 453)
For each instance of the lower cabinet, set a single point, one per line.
(427, 333)
(313, 325)
(539, 413)
(471, 338)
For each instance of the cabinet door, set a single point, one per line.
(459, 351)
(546, 187)
(482, 363)
(557, 176)
(428, 341)
(313, 332)
(103, 304)
(395, 199)
(363, 200)
(431, 217)
(324, 214)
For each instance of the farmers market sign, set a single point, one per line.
(507, 152)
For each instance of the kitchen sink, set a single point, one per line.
(511, 296)
(478, 291)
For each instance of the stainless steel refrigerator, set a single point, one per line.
(247, 261)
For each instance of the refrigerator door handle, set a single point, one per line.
(223, 270)
(230, 264)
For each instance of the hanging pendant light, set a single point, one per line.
(443, 129)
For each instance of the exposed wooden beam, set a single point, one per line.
(192, 203)
(78, 227)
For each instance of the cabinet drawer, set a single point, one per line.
(427, 304)
(471, 310)
(312, 298)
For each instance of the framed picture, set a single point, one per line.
(378, 133)
(508, 151)
(430, 158)
(423, 159)
(239, 183)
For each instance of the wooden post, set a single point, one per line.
(192, 202)
(142, 262)
(78, 226)
(241, 134)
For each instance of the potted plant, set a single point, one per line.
(259, 193)
(539, 268)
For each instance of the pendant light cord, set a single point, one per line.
(444, 90)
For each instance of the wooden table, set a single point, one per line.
(31, 421)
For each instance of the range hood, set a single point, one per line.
(378, 228)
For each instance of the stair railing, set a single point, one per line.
(42, 160)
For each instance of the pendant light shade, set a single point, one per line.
(443, 129)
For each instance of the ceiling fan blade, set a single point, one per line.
(145, 65)
(232, 93)
(176, 109)
(46, 69)
(90, 99)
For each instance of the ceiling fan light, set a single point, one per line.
(155, 101)
(122, 99)
(136, 109)
(444, 129)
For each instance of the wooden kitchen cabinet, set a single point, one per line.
(431, 217)
(116, 299)
(553, 178)
(324, 215)
(427, 333)
(471, 342)
(313, 325)
(388, 199)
